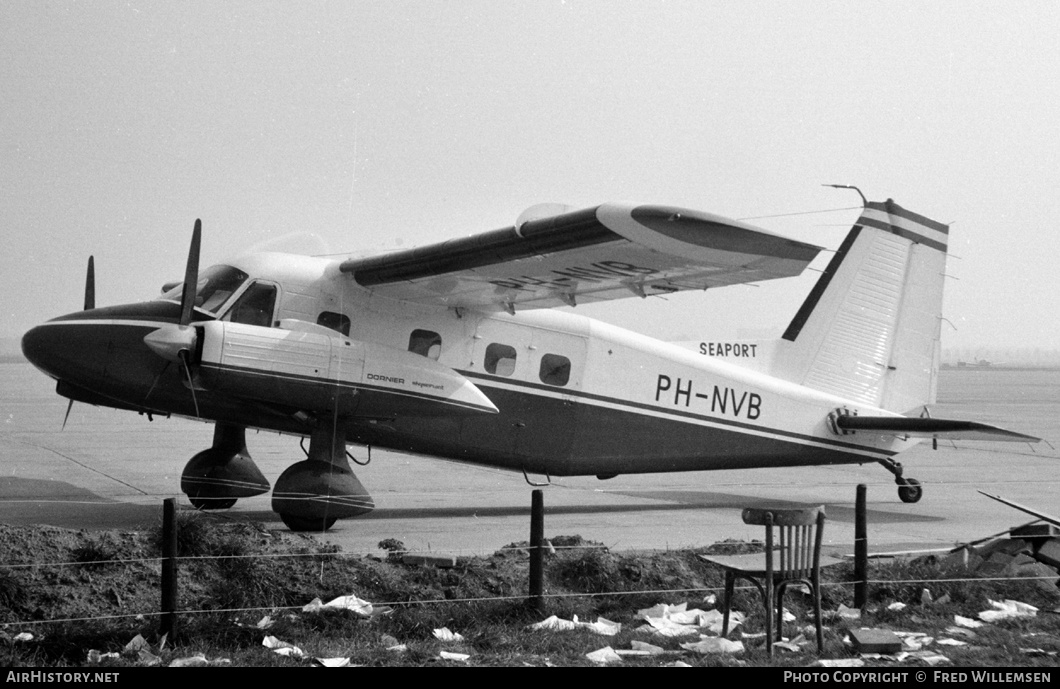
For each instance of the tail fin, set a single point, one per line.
(869, 330)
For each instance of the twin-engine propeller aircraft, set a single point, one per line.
(453, 350)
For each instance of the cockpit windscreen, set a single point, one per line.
(216, 285)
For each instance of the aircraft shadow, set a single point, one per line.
(30, 502)
(702, 501)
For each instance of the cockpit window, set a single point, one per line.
(216, 285)
(254, 306)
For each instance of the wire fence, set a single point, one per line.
(702, 592)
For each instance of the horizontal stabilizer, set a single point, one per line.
(926, 427)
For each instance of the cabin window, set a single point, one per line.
(336, 321)
(255, 305)
(555, 369)
(426, 343)
(500, 359)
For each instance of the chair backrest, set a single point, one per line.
(798, 548)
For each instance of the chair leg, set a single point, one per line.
(730, 585)
(769, 617)
(817, 618)
(780, 611)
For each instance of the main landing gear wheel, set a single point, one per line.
(309, 524)
(909, 490)
(215, 478)
(310, 495)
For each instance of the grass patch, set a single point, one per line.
(235, 574)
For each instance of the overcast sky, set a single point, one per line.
(379, 125)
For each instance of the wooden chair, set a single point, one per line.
(792, 557)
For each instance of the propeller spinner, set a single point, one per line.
(175, 343)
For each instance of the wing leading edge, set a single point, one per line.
(610, 251)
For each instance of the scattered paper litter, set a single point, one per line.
(930, 657)
(604, 655)
(961, 632)
(896, 606)
(711, 620)
(663, 627)
(555, 623)
(794, 645)
(1006, 610)
(714, 644)
(444, 634)
(94, 656)
(644, 646)
(282, 647)
(838, 662)
(846, 613)
(350, 603)
(914, 641)
(449, 655)
(678, 620)
(945, 641)
(602, 625)
(137, 644)
(332, 662)
(967, 622)
(23, 636)
(197, 660)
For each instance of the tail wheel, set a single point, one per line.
(910, 490)
(317, 524)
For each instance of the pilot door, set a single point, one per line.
(256, 306)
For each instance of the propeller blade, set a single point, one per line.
(90, 285)
(191, 385)
(154, 383)
(191, 276)
(68, 408)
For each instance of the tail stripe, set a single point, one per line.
(891, 217)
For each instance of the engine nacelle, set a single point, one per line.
(316, 372)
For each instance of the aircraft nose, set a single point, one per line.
(37, 346)
(63, 352)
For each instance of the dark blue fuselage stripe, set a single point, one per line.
(342, 384)
(675, 412)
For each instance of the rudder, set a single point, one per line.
(869, 329)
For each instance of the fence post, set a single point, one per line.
(861, 549)
(169, 569)
(537, 549)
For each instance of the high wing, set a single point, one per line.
(610, 251)
(926, 427)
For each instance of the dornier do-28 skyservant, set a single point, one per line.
(455, 350)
